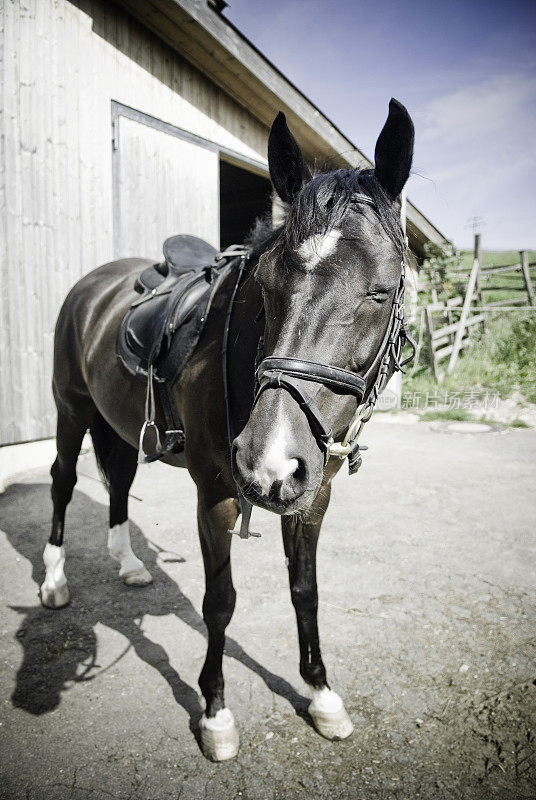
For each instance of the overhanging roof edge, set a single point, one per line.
(242, 66)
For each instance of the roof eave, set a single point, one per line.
(212, 44)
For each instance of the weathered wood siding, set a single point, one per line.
(62, 65)
(154, 165)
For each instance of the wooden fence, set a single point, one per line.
(459, 315)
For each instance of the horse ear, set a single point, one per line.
(288, 170)
(394, 150)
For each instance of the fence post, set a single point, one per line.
(478, 258)
(463, 319)
(430, 342)
(526, 274)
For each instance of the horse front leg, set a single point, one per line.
(219, 735)
(300, 539)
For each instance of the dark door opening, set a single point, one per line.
(244, 196)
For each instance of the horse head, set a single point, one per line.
(329, 280)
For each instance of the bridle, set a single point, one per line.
(276, 372)
(288, 373)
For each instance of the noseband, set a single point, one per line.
(288, 373)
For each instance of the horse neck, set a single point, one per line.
(245, 331)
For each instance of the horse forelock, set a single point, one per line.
(320, 206)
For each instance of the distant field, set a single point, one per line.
(494, 258)
(504, 285)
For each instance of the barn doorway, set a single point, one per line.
(244, 196)
(168, 180)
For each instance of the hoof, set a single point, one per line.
(329, 716)
(219, 736)
(55, 598)
(137, 577)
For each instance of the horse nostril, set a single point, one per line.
(291, 486)
(275, 491)
(300, 473)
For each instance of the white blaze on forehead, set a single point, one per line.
(318, 246)
(275, 465)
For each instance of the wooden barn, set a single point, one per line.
(121, 124)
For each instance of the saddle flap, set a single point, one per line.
(151, 322)
(186, 303)
(163, 326)
(186, 253)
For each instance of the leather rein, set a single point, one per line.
(288, 374)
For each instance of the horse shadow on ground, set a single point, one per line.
(60, 647)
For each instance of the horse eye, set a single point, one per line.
(378, 296)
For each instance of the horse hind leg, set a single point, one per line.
(71, 429)
(118, 462)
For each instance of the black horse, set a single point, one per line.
(322, 293)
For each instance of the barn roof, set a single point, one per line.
(202, 35)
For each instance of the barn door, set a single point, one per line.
(163, 184)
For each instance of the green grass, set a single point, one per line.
(494, 258)
(514, 423)
(462, 415)
(502, 360)
(451, 414)
(518, 423)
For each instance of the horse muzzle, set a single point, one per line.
(272, 480)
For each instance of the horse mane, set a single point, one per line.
(262, 231)
(320, 206)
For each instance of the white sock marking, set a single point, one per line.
(318, 246)
(120, 549)
(327, 701)
(54, 560)
(223, 720)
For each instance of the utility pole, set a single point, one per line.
(475, 223)
(478, 257)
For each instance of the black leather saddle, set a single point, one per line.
(182, 254)
(163, 326)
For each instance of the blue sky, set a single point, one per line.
(467, 74)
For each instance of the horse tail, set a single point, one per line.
(105, 443)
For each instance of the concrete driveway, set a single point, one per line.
(427, 618)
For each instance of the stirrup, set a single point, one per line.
(143, 457)
(245, 510)
(147, 458)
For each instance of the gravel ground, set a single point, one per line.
(427, 618)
